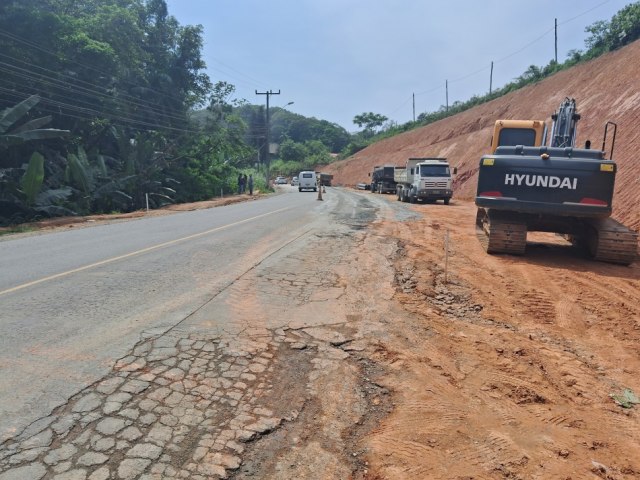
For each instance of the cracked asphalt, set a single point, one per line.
(261, 381)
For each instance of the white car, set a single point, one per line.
(281, 181)
(294, 182)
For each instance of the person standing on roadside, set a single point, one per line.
(250, 184)
(239, 184)
(244, 183)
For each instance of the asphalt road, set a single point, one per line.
(73, 302)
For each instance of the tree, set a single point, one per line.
(625, 26)
(370, 121)
(598, 36)
(532, 73)
(291, 151)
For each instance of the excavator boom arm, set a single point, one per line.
(563, 131)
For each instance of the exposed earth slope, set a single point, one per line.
(607, 88)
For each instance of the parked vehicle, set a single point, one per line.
(281, 181)
(294, 182)
(427, 179)
(383, 180)
(524, 186)
(307, 181)
(325, 179)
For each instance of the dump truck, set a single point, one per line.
(525, 185)
(382, 179)
(325, 179)
(427, 179)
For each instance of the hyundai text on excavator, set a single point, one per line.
(525, 185)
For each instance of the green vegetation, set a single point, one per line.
(105, 102)
(304, 142)
(370, 121)
(135, 115)
(16, 229)
(295, 157)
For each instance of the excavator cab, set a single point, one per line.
(529, 133)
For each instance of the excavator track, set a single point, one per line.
(498, 233)
(610, 241)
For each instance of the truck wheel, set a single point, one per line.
(446, 201)
(399, 195)
(412, 197)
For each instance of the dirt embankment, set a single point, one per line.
(607, 88)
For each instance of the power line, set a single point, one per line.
(256, 82)
(401, 106)
(24, 41)
(526, 46)
(77, 100)
(69, 80)
(68, 89)
(537, 39)
(18, 39)
(584, 13)
(91, 114)
(91, 93)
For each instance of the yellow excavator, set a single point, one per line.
(525, 185)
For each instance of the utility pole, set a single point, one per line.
(491, 79)
(446, 86)
(267, 140)
(414, 107)
(556, 41)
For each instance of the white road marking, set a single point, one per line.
(137, 252)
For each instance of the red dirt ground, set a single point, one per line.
(508, 370)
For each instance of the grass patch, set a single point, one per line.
(16, 229)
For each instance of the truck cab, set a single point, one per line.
(382, 179)
(427, 179)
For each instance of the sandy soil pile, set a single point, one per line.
(607, 88)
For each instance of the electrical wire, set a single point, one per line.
(90, 114)
(78, 101)
(253, 82)
(67, 85)
(18, 39)
(537, 39)
(94, 93)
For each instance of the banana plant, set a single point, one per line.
(20, 186)
(143, 163)
(12, 134)
(33, 177)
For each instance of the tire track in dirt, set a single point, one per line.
(509, 372)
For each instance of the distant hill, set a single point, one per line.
(607, 88)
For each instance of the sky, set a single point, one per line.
(335, 59)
